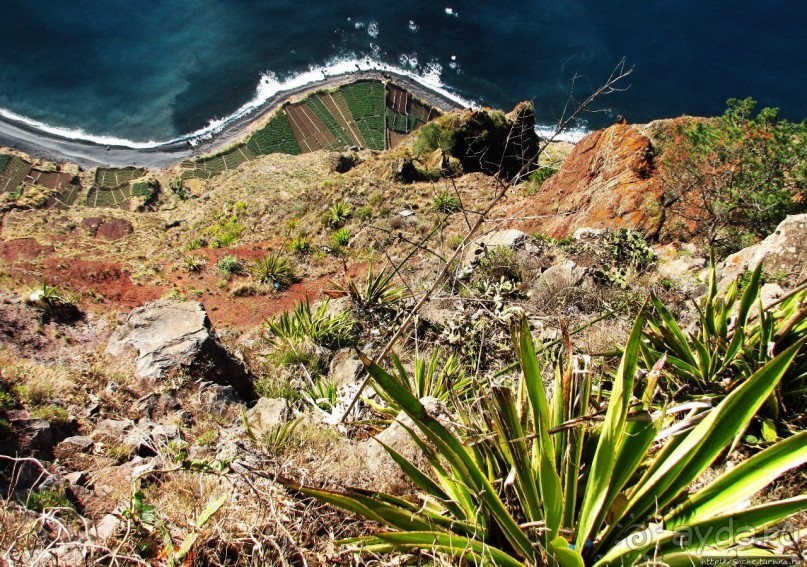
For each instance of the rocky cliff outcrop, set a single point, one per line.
(491, 141)
(608, 181)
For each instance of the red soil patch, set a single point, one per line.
(22, 249)
(106, 280)
(112, 229)
(242, 312)
(247, 312)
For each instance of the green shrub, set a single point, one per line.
(7, 400)
(539, 176)
(196, 243)
(364, 213)
(43, 499)
(736, 177)
(338, 214)
(54, 414)
(629, 249)
(230, 265)
(341, 238)
(433, 136)
(225, 232)
(273, 269)
(446, 203)
(495, 264)
(270, 387)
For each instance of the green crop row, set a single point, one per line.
(398, 122)
(329, 121)
(366, 101)
(98, 197)
(275, 137)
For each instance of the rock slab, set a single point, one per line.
(783, 253)
(170, 336)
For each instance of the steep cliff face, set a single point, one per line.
(610, 180)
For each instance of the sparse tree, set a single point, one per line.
(734, 178)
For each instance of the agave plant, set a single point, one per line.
(338, 214)
(341, 238)
(273, 269)
(446, 382)
(731, 341)
(378, 291)
(315, 324)
(544, 481)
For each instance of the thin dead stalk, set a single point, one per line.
(619, 73)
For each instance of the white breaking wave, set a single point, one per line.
(270, 85)
(572, 135)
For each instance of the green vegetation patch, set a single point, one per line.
(316, 105)
(108, 198)
(367, 103)
(4, 160)
(275, 137)
(398, 122)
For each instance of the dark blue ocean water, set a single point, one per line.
(158, 69)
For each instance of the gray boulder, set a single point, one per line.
(783, 253)
(345, 367)
(510, 238)
(564, 275)
(267, 414)
(170, 336)
(397, 437)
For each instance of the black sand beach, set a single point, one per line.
(23, 137)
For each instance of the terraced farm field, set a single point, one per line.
(114, 188)
(340, 132)
(116, 177)
(367, 103)
(53, 180)
(13, 172)
(208, 167)
(63, 197)
(275, 137)
(365, 114)
(334, 102)
(109, 198)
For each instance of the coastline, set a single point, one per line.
(52, 147)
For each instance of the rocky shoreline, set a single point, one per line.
(18, 135)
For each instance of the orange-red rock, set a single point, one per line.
(608, 181)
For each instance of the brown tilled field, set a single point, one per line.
(308, 130)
